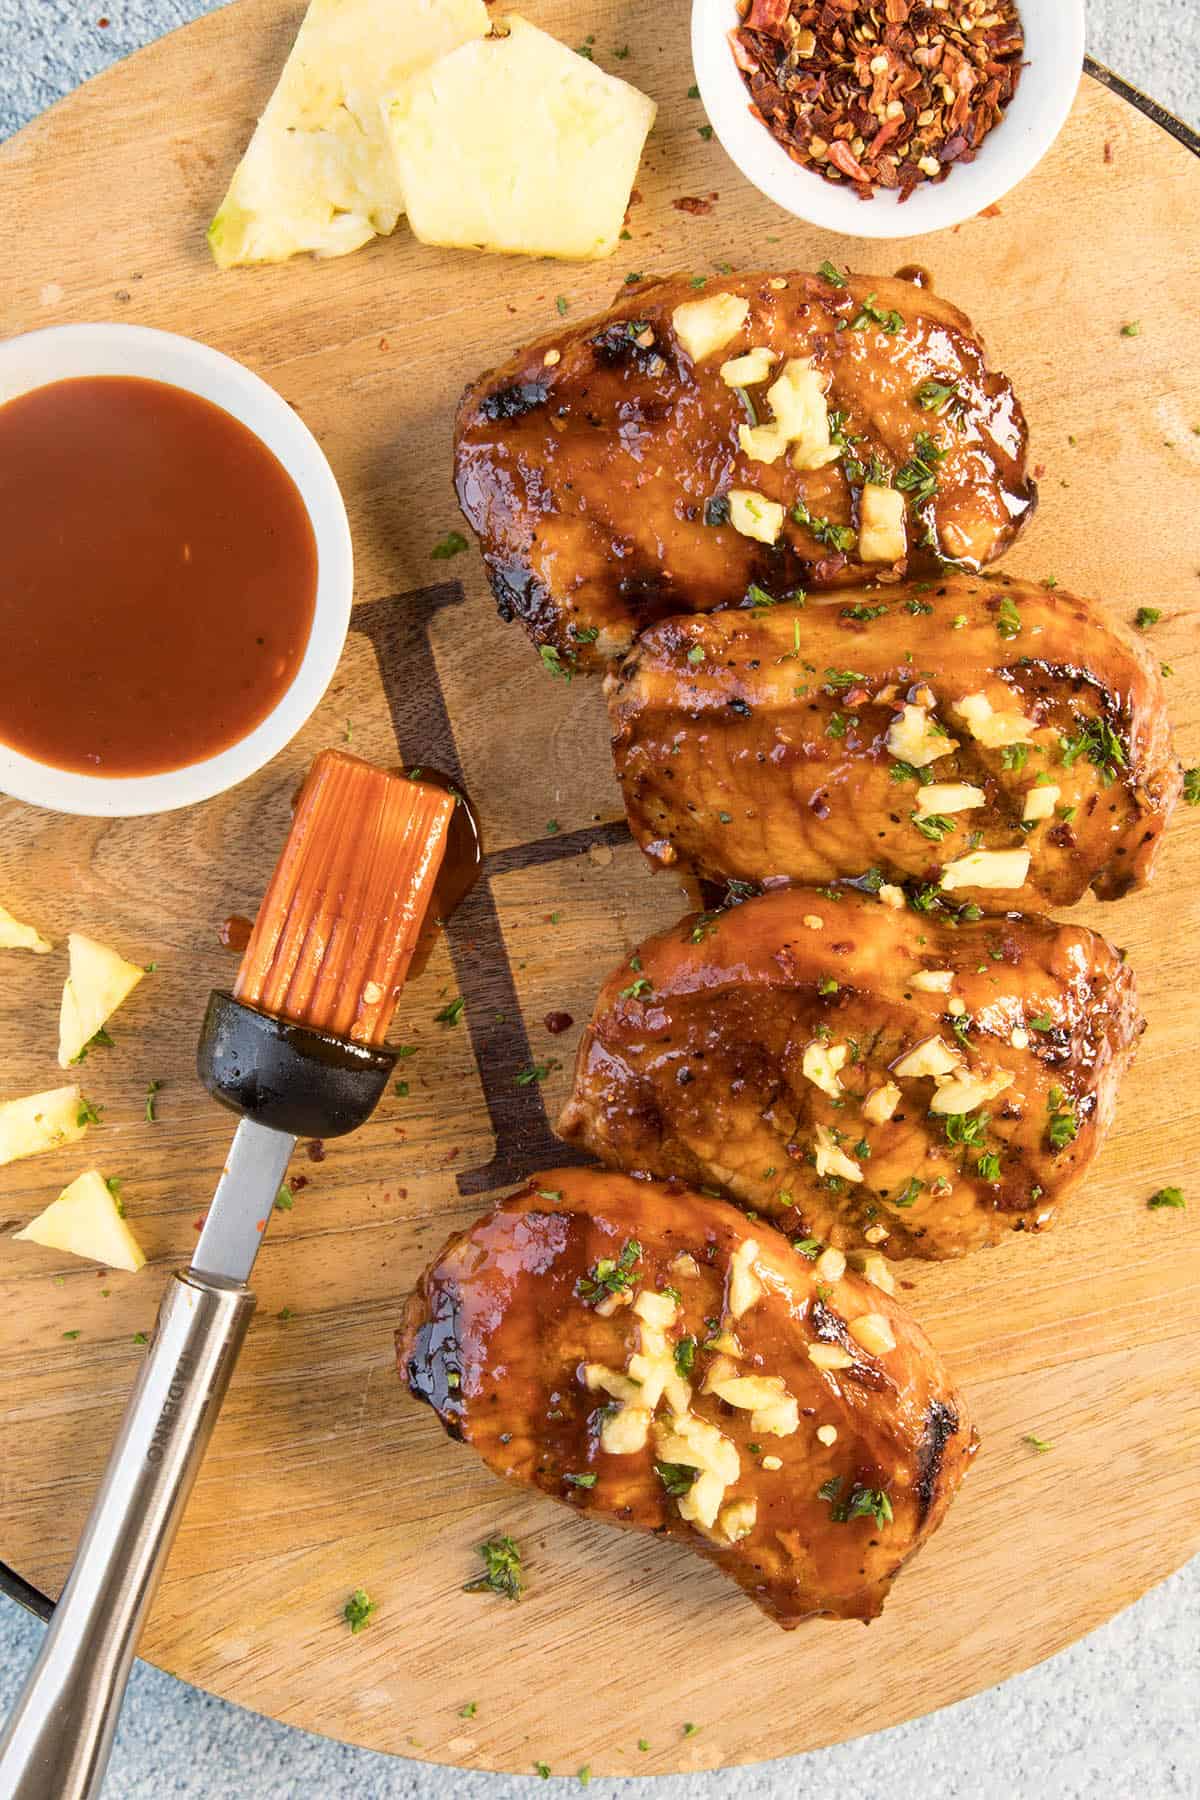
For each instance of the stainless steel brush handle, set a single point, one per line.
(57, 1741)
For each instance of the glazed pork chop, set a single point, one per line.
(985, 733)
(710, 436)
(646, 1356)
(861, 1072)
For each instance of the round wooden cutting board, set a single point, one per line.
(323, 1475)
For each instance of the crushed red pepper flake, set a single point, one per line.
(879, 93)
(695, 204)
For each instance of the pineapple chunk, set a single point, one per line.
(1040, 802)
(15, 936)
(99, 980)
(797, 400)
(821, 1064)
(762, 443)
(987, 869)
(86, 1221)
(514, 143)
(992, 729)
(832, 1161)
(319, 173)
(704, 326)
(913, 738)
(948, 797)
(882, 536)
(748, 370)
(754, 515)
(932, 1056)
(41, 1122)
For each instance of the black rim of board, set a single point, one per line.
(14, 1586)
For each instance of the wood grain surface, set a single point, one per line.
(323, 1475)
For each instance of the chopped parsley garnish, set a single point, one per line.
(677, 1478)
(696, 654)
(1191, 787)
(453, 544)
(151, 1090)
(469, 1710)
(71, 1334)
(685, 1356)
(1167, 1196)
(690, 1730)
(1063, 1126)
(284, 1201)
(542, 1769)
(611, 1277)
(869, 314)
(906, 771)
(502, 1573)
(451, 1013)
(552, 827)
(705, 131)
(563, 305)
(809, 1247)
(934, 826)
(1132, 329)
(551, 660)
(843, 678)
(1043, 1022)
(89, 1113)
(1096, 740)
(833, 276)
(864, 614)
(535, 1072)
(933, 396)
(1008, 618)
(1037, 1443)
(918, 606)
(827, 985)
(582, 1481)
(636, 990)
(839, 724)
(139, 1337)
(400, 1089)
(860, 1503)
(987, 1166)
(1014, 756)
(1147, 616)
(834, 537)
(758, 596)
(966, 1128)
(357, 1610)
(908, 1194)
(918, 476)
(100, 1041)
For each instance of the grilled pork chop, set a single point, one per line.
(647, 1356)
(912, 729)
(864, 1073)
(615, 470)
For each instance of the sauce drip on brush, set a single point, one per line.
(338, 925)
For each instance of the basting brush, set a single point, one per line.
(297, 1049)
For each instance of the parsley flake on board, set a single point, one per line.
(357, 1610)
(556, 664)
(502, 1572)
(89, 1113)
(283, 1199)
(453, 544)
(1191, 787)
(1167, 1196)
(100, 1041)
(1037, 1443)
(1147, 616)
(532, 1073)
(451, 1013)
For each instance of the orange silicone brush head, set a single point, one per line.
(338, 925)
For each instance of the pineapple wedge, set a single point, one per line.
(318, 173)
(41, 1122)
(15, 936)
(99, 980)
(86, 1221)
(515, 143)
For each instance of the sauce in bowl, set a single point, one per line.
(158, 578)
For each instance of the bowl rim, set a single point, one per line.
(38, 358)
(767, 166)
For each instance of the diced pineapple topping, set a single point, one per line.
(1040, 802)
(992, 729)
(704, 326)
(754, 515)
(698, 1445)
(514, 143)
(830, 1265)
(987, 869)
(873, 1332)
(873, 1268)
(913, 738)
(830, 1356)
(736, 1520)
(761, 443)
(891, 895)
(720, 1368)
(86, 1220)
(821, 1063)
(882, 533)
(744, 1287)
(965, 1092)
(948, 797)
(830, 1160)
(598, 1378)
(655, 1309)
(748, 370)
(41, 1122)
(626, 1431)
(932, 1056)
(15, 936)
(699, 1505)
(97, 983)
(684, 1266)
(800, 421)
(881, 1103)
(933, 981)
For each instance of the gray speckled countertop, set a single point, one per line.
(1117, 1714)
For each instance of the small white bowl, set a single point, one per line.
(1054, 33)
(64, 352)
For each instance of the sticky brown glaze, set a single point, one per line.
(753, 744)
(586, 463)
(695, 1065)
(496, 1338)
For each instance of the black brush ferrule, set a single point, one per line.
(289, 1077)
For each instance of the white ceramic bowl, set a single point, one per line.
(1054, 31)
(66, 351)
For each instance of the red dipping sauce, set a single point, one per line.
(158, 576)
